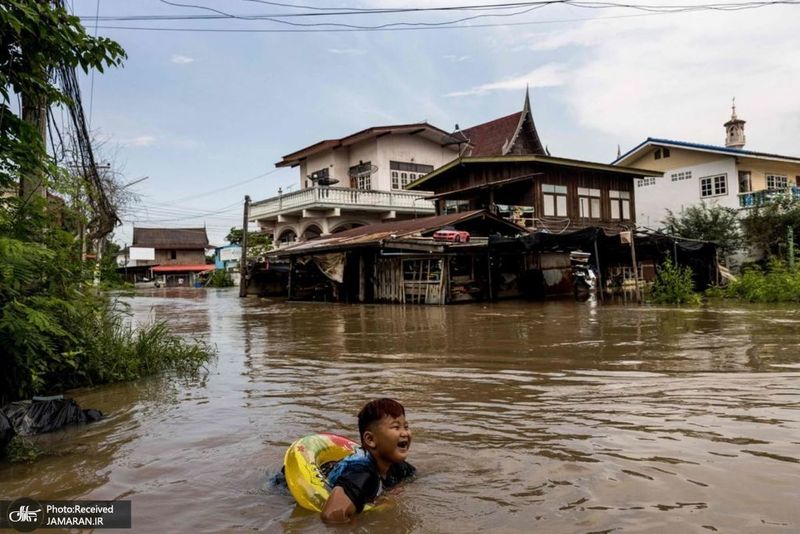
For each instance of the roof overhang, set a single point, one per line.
(183, 268)
(640, 149)
(549, 160)
(420, 129)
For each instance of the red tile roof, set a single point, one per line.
(489, 138)
(183, 268)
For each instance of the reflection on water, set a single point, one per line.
(557, 416)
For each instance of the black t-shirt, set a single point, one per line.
(358, 476)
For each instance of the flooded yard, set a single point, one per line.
(549, 417)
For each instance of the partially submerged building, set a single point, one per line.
(400, 262)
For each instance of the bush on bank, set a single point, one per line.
(56, 333)
(775, 283)
(673, 285)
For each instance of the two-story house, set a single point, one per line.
(179, 254)
(355, 180)
(727, 176)
(362, 178)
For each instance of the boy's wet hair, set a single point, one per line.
(374, 411)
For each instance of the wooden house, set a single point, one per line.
(179, 254)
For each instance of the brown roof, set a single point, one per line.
(489, 138)
(443, 137)
(174, 238)
(373, 234)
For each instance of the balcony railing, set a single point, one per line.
(342, 197)
(765, 197)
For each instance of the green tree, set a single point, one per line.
(257, 243)
(707, 223)
(37, 37)
(765, 227)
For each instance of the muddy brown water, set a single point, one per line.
(527, 417)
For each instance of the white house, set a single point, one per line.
(361, 178)
(726, 176)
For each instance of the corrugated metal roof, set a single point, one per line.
(375, 233)
(172, 238)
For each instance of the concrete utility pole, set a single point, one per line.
(34, 112)
(243, 261)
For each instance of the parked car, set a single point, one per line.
(454, 236)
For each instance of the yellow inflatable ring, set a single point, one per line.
(302, 462)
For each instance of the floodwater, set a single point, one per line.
(549, 417)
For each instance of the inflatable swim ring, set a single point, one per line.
(302, 467)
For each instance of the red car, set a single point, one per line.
(454, 236)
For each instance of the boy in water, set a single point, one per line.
(360, 478)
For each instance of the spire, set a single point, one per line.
(525, 139)
(619, 151)
(734, 129)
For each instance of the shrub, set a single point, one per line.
(220, 279)
(776, 283)
(673, 285)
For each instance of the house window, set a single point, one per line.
(589, 203)
(455, 206)
(620, 204)
(362, 175)
(403, 173)
(745, 184)
(555, 200)
(680, 176)
(173, 254)
(646, 181)
(776, 181)
(713, 186)
(661, 153)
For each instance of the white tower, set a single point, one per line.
(734, 130)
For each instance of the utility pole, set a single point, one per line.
(34, 112)
(633, 263)
(243, 261)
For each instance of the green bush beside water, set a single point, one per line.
(673, 285)
(56, 333)
(775, 283)
(220, 279)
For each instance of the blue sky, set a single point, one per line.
(206, 115)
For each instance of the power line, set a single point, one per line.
(530, 6)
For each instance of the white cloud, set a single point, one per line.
(182, 60)
(549, 75)
(674, 76)
(141, 141)
(347, 51)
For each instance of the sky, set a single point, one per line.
(199, 118)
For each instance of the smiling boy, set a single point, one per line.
(360, 478)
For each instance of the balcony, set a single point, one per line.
(343, 198)
(766, 197)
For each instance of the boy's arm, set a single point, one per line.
(339, 508)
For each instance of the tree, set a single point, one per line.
(257, 243)
(36, 38)
(765, 227)
(707, 223)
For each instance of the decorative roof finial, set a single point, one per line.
(733, 108)
(619, 151)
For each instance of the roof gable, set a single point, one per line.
(430, 132)
(640, 149)
(513, 134)
(174, 238)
